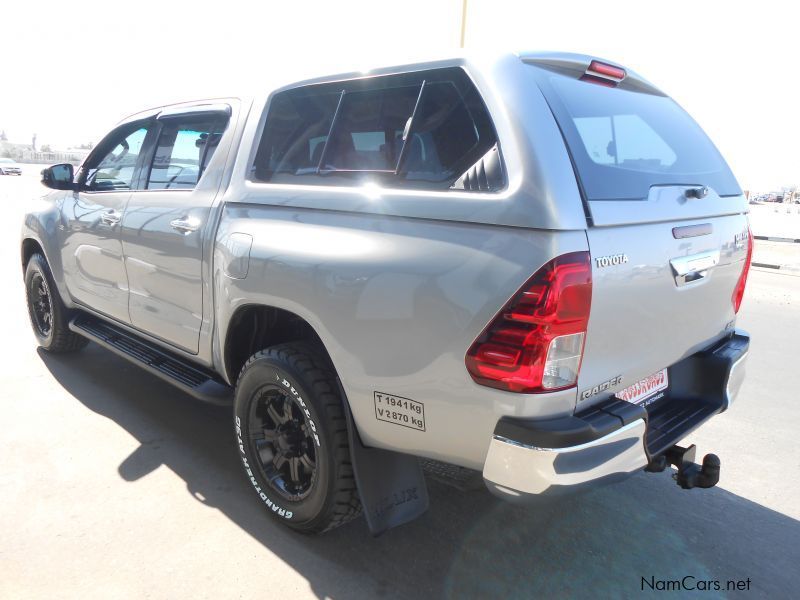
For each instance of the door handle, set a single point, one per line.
(185, 226)
(688, 269)
(110, 217)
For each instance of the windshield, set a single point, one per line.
(623, 142)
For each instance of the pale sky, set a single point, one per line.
(71, 70)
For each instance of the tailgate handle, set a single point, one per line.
(680, 233)
(688, 269)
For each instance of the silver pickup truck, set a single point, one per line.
(527, 266)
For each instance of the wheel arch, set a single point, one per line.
(254, 327)
(378, 473)
(29, 247)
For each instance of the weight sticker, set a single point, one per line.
(400, 411)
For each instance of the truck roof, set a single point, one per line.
(481, 61)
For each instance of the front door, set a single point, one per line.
(163, 227)
(94, 270)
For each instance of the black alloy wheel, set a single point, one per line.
(49, 317)
(292, 437)
(281, 436)
(40, 304)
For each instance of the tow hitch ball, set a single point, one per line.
(689, 475)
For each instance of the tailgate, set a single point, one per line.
(660, 290)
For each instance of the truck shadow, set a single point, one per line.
(603, 543)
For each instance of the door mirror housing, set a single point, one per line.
(59, 177)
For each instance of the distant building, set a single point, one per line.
(9, 150)
(27, 153)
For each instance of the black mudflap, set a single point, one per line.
(391, 485)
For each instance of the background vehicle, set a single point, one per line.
(530, 267)
(9, 166)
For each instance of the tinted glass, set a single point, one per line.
(624, 141)
(295, 134)
(376, 133)
(368, 133)
(116, 169)
(184, 149)
(445, 135)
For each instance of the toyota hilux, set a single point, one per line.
(528, 266)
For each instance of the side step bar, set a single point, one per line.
(182, 374)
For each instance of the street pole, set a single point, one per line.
(463, 21)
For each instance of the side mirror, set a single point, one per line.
(59, 177)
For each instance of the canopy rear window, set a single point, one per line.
(623, 141)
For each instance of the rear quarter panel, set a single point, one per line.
(397, 303)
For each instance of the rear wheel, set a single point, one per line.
(292, 438)
(49, 317)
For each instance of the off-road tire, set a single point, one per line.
(58, 338)
(307, 380)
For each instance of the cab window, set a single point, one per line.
(184, 149)
(116, 169)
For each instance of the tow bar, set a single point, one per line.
(689, 475)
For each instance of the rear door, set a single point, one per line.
(668, 233)
(163, 228)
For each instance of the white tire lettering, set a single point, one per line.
(286, 514)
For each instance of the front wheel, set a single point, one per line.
(292, 438)
(49, 316)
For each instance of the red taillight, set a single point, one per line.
(598, 68)
(603, 74)
(536, 342)
(738, 292)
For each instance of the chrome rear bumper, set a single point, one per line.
(735, 380)
(607, 442)
(513, 468)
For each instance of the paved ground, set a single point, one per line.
(114, 485)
